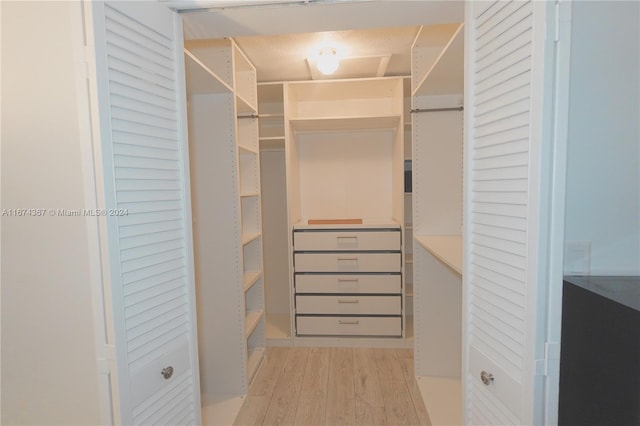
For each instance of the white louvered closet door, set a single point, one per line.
(143, 147)
(504, 336)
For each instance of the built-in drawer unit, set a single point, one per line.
(349, 326)
(348, 281)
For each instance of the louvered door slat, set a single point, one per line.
(139, 94)
(140, 58)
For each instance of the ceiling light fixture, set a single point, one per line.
(327, 61)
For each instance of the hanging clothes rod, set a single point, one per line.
(248, 116)
(413, 111)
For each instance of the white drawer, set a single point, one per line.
(380, 283)
(347, 262)
(349, 305)
(346, 240)
(349, 326)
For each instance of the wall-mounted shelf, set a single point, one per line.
(200, 79)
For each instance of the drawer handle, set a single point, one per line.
(349, 301)
(347, 237)
(344, 322)
(347, 259)
(348, 280)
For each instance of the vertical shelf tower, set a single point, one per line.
(437, 96)
(225, 161)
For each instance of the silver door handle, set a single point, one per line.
(167, 372)
(487, 378)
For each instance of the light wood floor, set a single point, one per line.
(334, 386)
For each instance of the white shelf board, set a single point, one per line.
(253, 363)
(246, 239)
(446, 75)
(446, 248)
(243, 106)
(250, 278)
(442, 398)
(249, 194)
(252, 320)
(247, 149)
(200, 79)
(345, 123)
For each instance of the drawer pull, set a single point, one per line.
(348, 280)
(347, 239)
(345, 322)
(349, 301)
(347, 259)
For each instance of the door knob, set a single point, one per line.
(167, 372)
(487, 378)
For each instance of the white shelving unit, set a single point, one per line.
(437, 136)
(345, 160)
(227, 219)
(275, 238)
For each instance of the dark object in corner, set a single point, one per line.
(600, 354)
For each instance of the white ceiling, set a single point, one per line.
(374, 38)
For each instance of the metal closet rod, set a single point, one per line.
(416, 110)
(248, 116)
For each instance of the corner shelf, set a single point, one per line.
(446, 248)
(252, 320)
(250, 278)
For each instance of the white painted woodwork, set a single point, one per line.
(509, 114)
(349, 326)
(141, 92)
(437, 216)
(227, 217)
(349, 305)
(346, 240)
(348, 262)
(352, 283)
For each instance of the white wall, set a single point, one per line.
(603, 171)
(49, 373)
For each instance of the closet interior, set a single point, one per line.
(327, 212)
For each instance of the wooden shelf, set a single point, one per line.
(345, 123)
(247, 149)
(252, 320)
(243, 106)
(249, 194)
(246, 239)
(200, 79)
(446, 248)
(250, 278)
(446, 75)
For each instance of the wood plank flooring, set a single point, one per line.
(334, 387)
